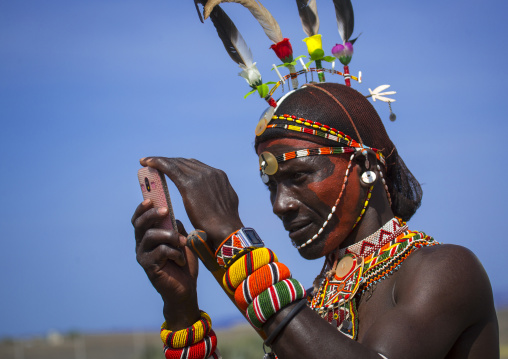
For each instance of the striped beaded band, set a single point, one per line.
(230, 250)
(245, 266)
(329, 136)
(314, 152)
(321, 130)
(200, 350)
(318, 126)
(365, 205)
(259, 281)
(272, 300)
(185, 337)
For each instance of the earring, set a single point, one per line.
(366, 154)
(384, 184)
(368, 177)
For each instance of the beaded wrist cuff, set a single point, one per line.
(189, 336)
(258, 282)
(230, 250)
(200, 350)
(272, 300)
(236, 245)
(245, 266)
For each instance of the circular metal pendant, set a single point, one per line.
(344, 266)
(368, 177)
(261, 126)
(265, 119)
(268, 163)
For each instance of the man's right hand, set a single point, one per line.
(169, 264)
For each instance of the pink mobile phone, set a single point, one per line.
(154, 187)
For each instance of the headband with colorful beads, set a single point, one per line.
(269, 163)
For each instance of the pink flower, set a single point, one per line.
(343, 52)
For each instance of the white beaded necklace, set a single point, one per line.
(333, 208)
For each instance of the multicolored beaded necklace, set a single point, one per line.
(359, 267)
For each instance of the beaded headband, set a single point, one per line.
(268, 163)
(241, 54)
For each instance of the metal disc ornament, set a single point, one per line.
(345, 265)
(268, 163)
(264, 120)
(368, 177)
(261, 126)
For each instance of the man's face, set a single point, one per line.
(304, 190)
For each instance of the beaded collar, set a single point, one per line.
(360, 268)
(391, 229)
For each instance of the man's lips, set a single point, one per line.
(299, 231)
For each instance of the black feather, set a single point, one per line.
(227, 32)
(345, 18)
(202, 2)
(309, 18)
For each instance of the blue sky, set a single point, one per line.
(88, 88)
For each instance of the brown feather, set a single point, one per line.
(262, 15)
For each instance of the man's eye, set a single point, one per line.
(299, 176)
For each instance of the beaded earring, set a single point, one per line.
(384, 184)
(365, 205)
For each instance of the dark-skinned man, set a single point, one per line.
(344, 197)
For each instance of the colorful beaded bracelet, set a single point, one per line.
(189, 336)
(230, 250)
(200, 350)
(245, 266)
(258, 282)
(272, 300)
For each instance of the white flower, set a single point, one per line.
(251, 74)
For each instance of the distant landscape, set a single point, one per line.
(237, 342)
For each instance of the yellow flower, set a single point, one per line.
(315, 47)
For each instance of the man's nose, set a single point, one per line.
(284, 201)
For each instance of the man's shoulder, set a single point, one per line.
(449, 257)
(448, 277)
(446, 261)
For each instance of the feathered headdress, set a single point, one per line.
(240, 53)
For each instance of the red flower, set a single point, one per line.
(283, 50)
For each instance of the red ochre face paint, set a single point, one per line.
(304, 190)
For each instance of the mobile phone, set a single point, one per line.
(154, 187)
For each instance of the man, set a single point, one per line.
(424, 300)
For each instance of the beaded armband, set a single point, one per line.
(245, 266)
(272, 300)
(259, 281)
(203, 349)
(236, 245)
(189, 336)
